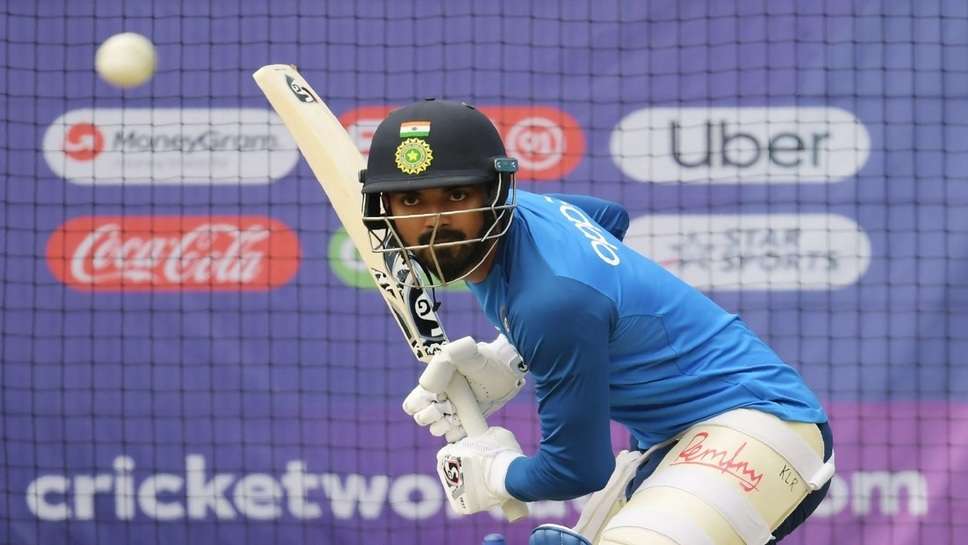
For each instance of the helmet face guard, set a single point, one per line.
(385, 239)
(437, 144)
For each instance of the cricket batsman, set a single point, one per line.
(729, 446)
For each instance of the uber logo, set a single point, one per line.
(728, 145)
(737, 145)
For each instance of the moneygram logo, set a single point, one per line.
(169, 146)
(740, 145)
(547, 142)
(172, 253)
(756, 251)
(83, 142)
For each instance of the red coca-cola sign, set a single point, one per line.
(173, 253)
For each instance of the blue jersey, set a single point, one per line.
(611, 335)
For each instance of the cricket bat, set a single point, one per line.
(336, 162)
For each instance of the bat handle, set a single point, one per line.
(470, 416)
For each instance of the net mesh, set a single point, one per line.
(191, 353)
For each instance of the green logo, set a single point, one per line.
(413, 156)
(346, 264)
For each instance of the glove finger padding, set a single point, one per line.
(455, 434)
(434, 412)
(419, 399)
(431, 414)
(495, 372)
(473, 470)
(449, 427)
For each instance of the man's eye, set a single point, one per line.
(458, 195)
(409, 200)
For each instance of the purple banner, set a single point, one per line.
(191, 352)
(900, 477)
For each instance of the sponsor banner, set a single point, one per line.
(169, 146)
(296, 491)
(547, 142)
(345, 262)
(755, 251)
(897, 478)
(173, 253)
(740, 145)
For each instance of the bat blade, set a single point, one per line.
(336, 161)
(327, 147)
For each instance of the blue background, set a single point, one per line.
(315, 370)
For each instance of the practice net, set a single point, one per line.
(191, 353)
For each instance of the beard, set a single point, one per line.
(455, 261)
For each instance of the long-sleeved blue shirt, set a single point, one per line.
(611, 335)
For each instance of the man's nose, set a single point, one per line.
(437, 219)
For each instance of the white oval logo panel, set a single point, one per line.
(169, 146)
(755, 251)
(740, 145)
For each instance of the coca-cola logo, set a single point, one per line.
(83, 142)
(172, 253)
(547, 142)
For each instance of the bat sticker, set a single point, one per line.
(422, 308)
(302, 93)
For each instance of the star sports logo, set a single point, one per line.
(755, 251)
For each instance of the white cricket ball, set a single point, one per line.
(126, 59)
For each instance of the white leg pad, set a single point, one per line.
(602, 504)
(718, 494)
(732, 479)
(771, 431)
(672, 525)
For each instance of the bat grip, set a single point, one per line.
(469, 412)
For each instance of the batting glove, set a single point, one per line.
(473, 470)
(494, 371)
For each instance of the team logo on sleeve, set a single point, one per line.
(413, 156)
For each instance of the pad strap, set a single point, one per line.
(599, 505)
(672, 525)
(771, 431)
(553, 534)
(718, 494)
(595, 513)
